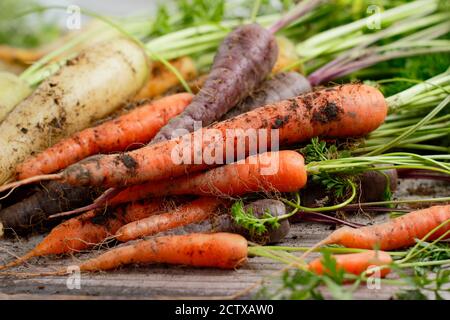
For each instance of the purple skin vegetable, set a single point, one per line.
(282, 86)
(374, 183)
(32, 212)
(243, 60)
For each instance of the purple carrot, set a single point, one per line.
(32, 212)
(284, 85)
(244, 59)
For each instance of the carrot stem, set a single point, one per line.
(302, 8)
(413, 251)
(331, 249)
(424, 263)
(329, 208)
(412, 129)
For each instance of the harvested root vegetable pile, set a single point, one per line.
(279, 155)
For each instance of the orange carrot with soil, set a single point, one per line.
(344, 111)
(127, 131)
(195, 211)
(355, 263)
(89, 229)
(219, 250)
(396, 233)
(249, 175)
(282, 171)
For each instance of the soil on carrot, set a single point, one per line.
(327, 113)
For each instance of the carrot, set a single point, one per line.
(343, 111)
(243, 60)
(396, 233)
(88, 229)
(89, 87)
(233, 179)
(136, 127)
(19, 55)
(219, 250)
(32, 211)
(162, 79)
(225, 222)
(355, 263)
(195, 211)
(284, 85)
(282, 171)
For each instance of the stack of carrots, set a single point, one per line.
(180, 212)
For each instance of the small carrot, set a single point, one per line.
(355, 263)
(396, 233)
(219, 250)
(88, 229)
(233, 179)
(195, 211)
(132, 129)
(162, 79)
(343, 111)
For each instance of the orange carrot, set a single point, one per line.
(219, 250)
(130, 130)
(396, 233)
(343, 111)
(355, 263)
(195, 211)
(89, 229)
(233, 179)
(162, 79)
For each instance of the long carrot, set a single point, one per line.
(282, 171)
(88, 229)
(343, 111)
(245, 176)
(219, 250)
(132, 129)
(396, 233)
(355, 263)
(195, 211)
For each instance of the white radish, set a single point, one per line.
(12, 91)
(92, 85)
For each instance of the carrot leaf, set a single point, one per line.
(247, 220)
